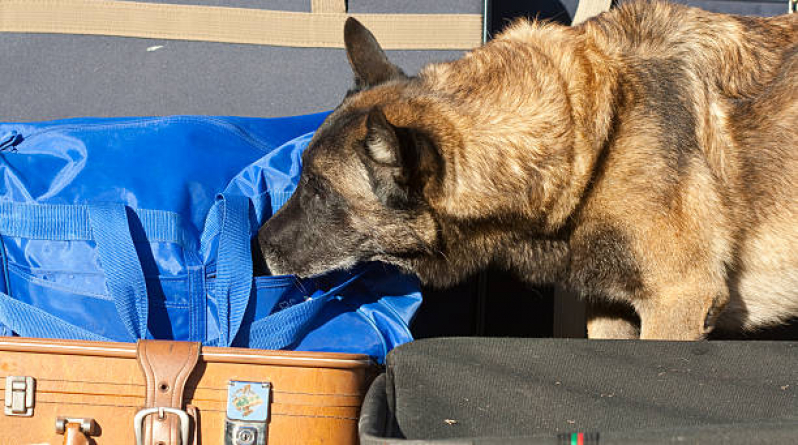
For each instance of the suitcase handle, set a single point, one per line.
(138, 422)
(76, 431)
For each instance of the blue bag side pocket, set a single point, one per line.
(77, 294)
(53, 272)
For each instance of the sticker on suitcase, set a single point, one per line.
(248, 401)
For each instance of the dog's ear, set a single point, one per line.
(390, 154)
(382, 140)
(368, 60)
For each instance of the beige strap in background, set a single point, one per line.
(320, 29)
(328, 6)
(590, 8)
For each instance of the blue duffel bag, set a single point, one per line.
(127, 228)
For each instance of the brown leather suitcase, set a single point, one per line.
(75, 392)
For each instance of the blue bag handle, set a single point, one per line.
(123, 273)
(285, 327)
(289, 325)
(234, 266)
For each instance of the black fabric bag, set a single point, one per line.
(544, 391)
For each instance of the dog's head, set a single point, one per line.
(361, 194)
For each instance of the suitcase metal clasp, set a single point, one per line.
(19, 396)
(138, 422)
(247, 413)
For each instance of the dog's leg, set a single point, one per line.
(612, 320)
(675, 317)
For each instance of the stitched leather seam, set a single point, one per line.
(180, 378)
(204, 388)
(199, 410)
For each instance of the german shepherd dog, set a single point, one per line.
(647, 159)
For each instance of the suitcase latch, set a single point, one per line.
(247, 413)
(19, 395)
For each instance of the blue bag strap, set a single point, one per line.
(282, 329)
(120, 262)
(234, 266)
(66, 222)
(5, 330)
(30, 321)
(286, 327)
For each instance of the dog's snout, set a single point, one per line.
(269, 241)
(273, 235)
(270, 253)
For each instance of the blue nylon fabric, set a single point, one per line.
(34, 322)
(5, 331)
(122, 228)
(174, 163)
(284, 327)
(289, 325)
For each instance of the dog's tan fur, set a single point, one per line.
(647, 158)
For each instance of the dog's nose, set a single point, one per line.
(265, 243)
(269, 254)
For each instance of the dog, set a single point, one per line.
(646, 159)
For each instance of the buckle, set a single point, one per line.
(138, 422)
